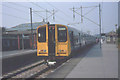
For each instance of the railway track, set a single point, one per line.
(22, 70)
(36, 70)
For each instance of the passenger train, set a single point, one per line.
(56, 41)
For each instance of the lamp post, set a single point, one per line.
(100, 24)
(116, 33)
(31, 26)
(116, 28)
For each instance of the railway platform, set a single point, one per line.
(13, 60)
(6, 54)
(93, 63)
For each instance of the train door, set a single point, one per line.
(51, 40)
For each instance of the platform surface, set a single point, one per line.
(96, 63)
(6, 54)
(13, 60)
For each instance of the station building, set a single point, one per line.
(19, 37)
(111, 37)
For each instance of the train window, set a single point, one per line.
(42, 34)
(62, 34)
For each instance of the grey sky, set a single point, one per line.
(18, 12)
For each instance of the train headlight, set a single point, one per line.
(44, 50)
(62, 50)
(59, 50)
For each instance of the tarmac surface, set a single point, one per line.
(95, 63)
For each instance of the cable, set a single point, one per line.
(13, 16)
(90, 6)
(15, 8)
(24, 7)
(51, 15)
(39, 15)
(47, 10)
(59, 10)
(27, 8)
(37, 5)
(42, 11)
(89, 11)
(87, 18)
(40, 7)
(19, 4)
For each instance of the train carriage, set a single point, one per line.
(56, 41)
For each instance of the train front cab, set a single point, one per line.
(42, 41)
(63, 46)
(53, 42)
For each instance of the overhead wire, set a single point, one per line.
(89, 11)
(37, 5)
(93, 7)
(41, 8)
(27, 8)
(46, 9)
(3, 13)
(60, 11)
(87, 18)
(13, 16)
(19, 4)
(22, 11)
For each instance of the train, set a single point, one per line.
(56, 42)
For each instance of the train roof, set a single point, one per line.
(75, 30)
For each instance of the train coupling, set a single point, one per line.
(51, 63)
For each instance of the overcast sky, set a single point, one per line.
(15, 13)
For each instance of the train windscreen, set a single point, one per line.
(42, 34)
(62, 34)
